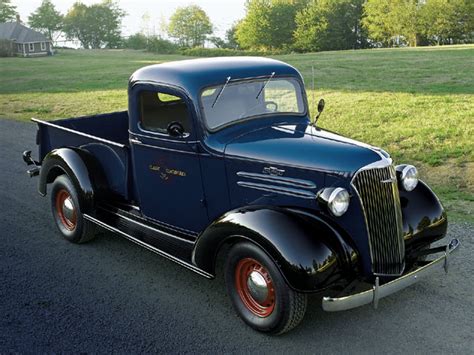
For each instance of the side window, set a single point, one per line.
(158, 110)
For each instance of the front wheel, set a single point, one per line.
(259, 293)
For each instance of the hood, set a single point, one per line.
(304, 146)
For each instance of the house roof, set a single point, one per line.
(20, 33)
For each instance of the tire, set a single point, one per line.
(66, 212)
(276, 309)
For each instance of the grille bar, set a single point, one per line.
(378, 191)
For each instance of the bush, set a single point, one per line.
(224, 52)
(161, 46)
(136, 41)
(6, 48)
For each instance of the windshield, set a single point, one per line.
(226, 103)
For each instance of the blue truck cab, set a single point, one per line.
(220, 156)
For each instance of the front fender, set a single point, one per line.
(310, 253)
(424, 218)
(80, 168)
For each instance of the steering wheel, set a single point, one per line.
(258, 106)
(175, 129)
(271, 103)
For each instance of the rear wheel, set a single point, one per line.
(259, 293)
(67, 214)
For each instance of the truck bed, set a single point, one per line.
(105, 136)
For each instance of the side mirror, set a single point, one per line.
(321, 105)
(175, 129)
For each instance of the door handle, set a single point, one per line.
(135, 141)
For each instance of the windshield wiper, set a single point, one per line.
(265, 84)
(220, 92)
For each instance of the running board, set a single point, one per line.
(149, 247)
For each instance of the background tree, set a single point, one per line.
(330, 25)
(447, 21)
(218, 42)
(7, 11)
(136, 41)
(95, 26)
(231, 36)
(389, 21)
(46, 19)
(377, 21)
(268, 24)
(190, 25)
(464, 32)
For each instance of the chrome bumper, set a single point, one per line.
(377, 292)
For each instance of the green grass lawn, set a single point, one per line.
(417, 103)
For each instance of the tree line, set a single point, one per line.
(269, 25)
(315, 25)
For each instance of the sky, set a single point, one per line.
(222, 13)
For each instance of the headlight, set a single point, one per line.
(409, 177)
(338, 201)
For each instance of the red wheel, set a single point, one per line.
(255, 287)
(258, 291)
(66, 210)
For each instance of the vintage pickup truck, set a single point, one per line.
(218, 158)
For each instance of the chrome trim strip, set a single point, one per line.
(155, 221)
(149, 247)
(78, 133)
(140, 143)
(134, 207)
(169, 235)
(164, 138)
(379, 164)
(279, 190)
(305, 184)
(373, 295)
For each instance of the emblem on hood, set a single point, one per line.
(271, 170)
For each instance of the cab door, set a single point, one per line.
(165, 158)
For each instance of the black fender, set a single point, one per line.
(424, 218)
(311, 254)
(81, 168)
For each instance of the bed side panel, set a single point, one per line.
(113, 159)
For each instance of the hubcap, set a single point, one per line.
(66, 210)
(255, 287)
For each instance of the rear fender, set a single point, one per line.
(80, 167)
(310, 253)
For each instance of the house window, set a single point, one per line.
(31, 47)
(43, 46)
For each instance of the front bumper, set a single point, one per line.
(377, 292)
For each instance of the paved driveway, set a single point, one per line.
(111, 295)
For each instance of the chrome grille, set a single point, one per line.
(378, 192)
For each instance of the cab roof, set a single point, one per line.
(194, 74)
